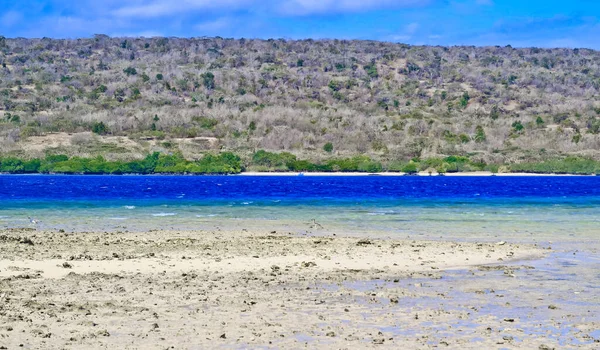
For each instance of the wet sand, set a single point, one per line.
(267, 289)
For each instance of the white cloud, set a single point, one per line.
(406, 34)
(159, 8)
(10, 18)
(307, 7)
(412, 28)
(211, 27)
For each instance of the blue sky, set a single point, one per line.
(548, 23)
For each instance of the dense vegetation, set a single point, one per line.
(229, 163)
(333, 104)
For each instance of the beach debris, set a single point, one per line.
(223, 336)
(308, 264)
(26, 240)
(509, 320)
(394, 300)
(66, 265)
(364, 242)
(330, 334)
(501, 243)
(552, 307)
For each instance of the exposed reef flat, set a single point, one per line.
(208, 289)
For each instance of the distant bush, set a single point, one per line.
(99, 128)
(410, 168)
(130, 71)
(208, 79)
(480, 134)
(328, 147)
(570, 165)
(275, 161)
(371, 70)
(205, 122)
(518, 126)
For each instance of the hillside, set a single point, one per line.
(125, 98)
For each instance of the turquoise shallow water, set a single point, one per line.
(527, 208)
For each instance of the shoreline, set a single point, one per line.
(466, 174)
(325, 174)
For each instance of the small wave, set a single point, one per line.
(117, 218)
(129, 207)
(246, 203)
(206, 216)
(164, 214)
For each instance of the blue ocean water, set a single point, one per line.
(399, 206)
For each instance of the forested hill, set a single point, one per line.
(125, 98)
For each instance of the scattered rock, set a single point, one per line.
(509, 320)
(66, 265)
(308, 264)
(26, 240)
(330, 334)
(364, 242)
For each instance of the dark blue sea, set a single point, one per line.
(396, 206)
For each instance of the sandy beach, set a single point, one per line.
(263, 289)
(422, 173)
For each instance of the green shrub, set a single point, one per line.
(281, 161)
(130, 71)
(371, 70)
(205, 122)
(480, 134)
(464, 100)
(517, 126)
(99, 128)
(208, 79)
(328, 147)
(410, 168)
(539, 121)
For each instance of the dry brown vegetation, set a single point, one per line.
(389, 101)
